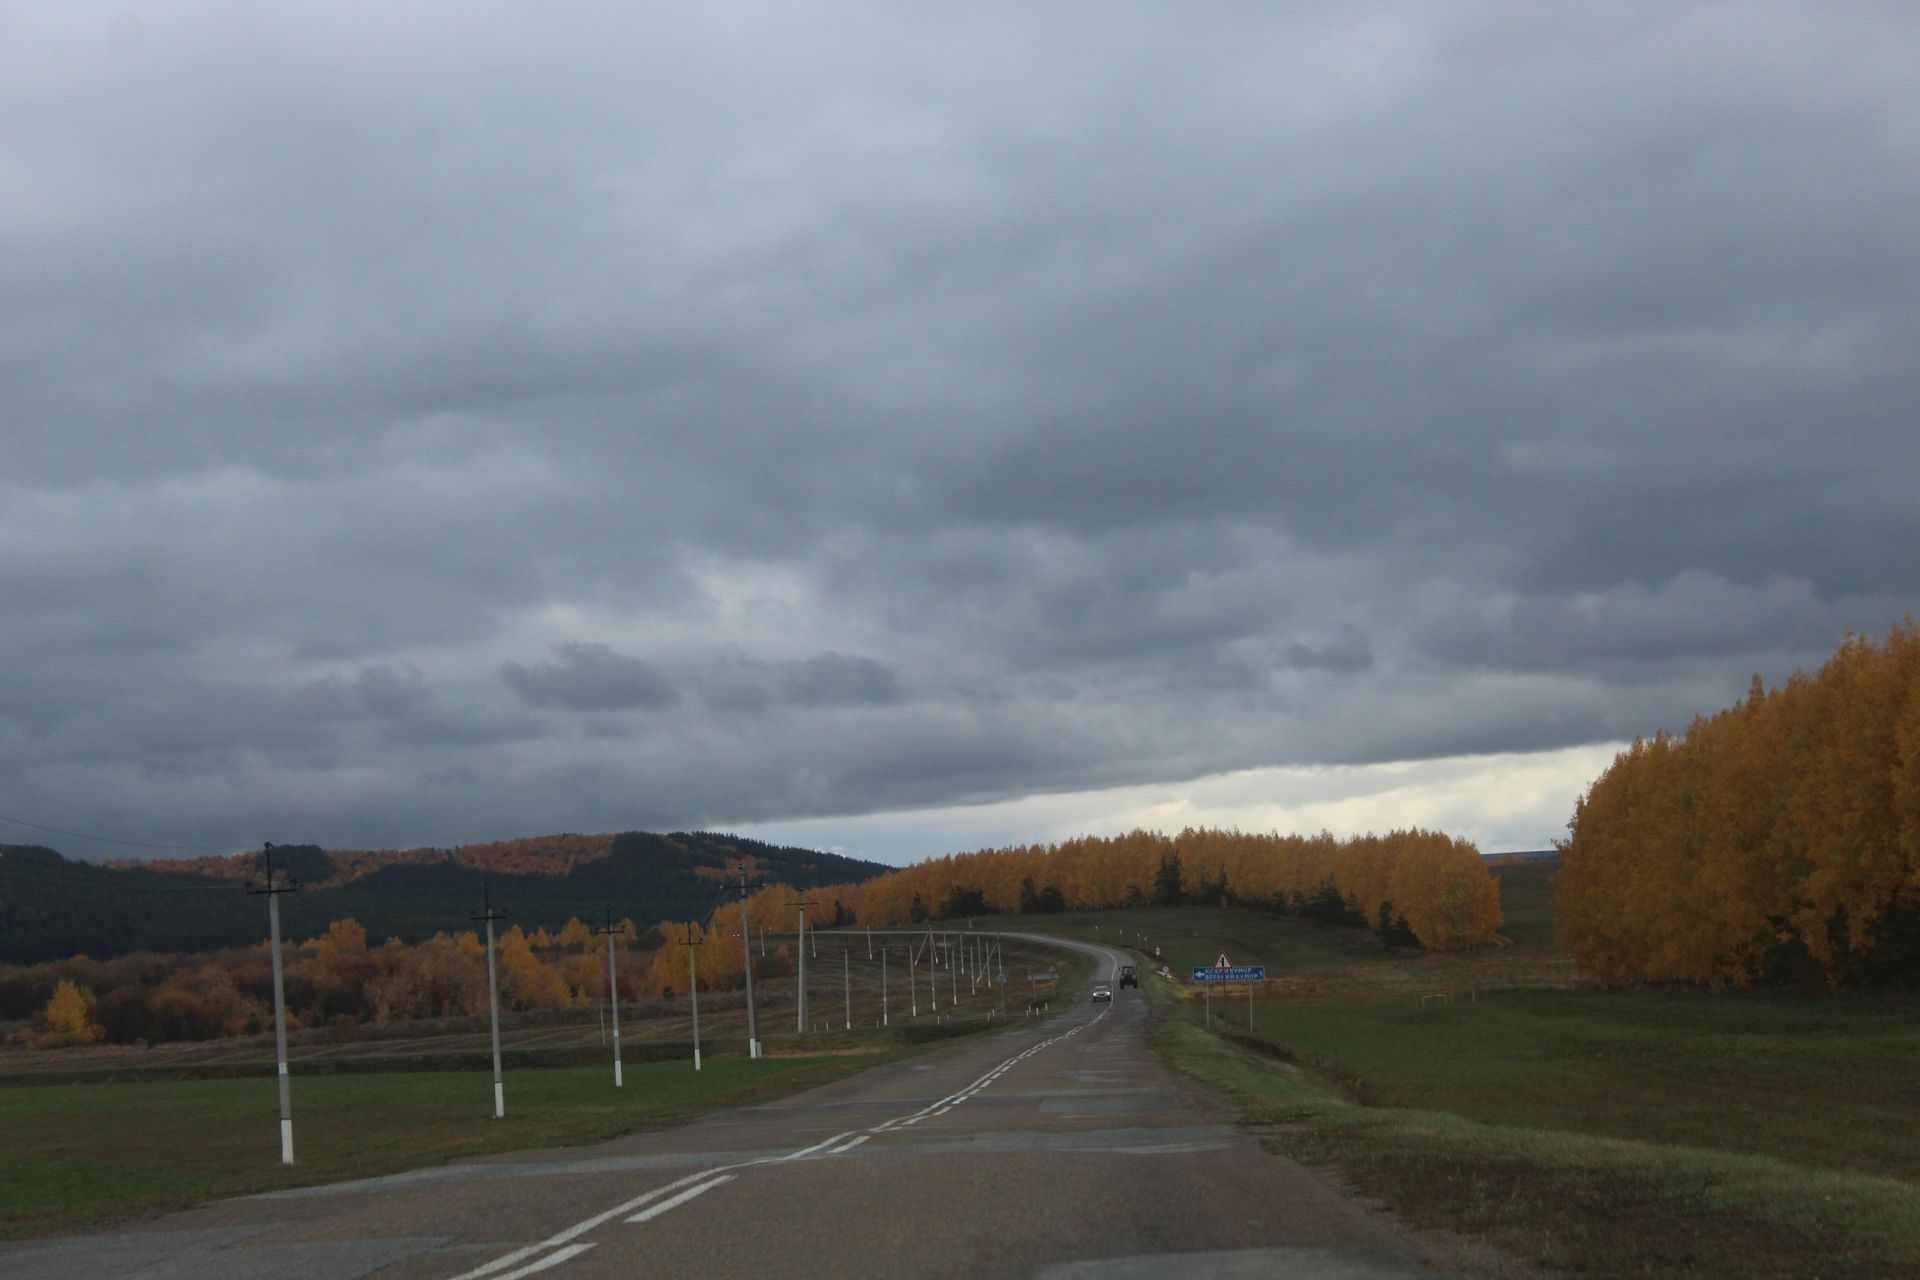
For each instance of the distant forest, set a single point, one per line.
(52, 907)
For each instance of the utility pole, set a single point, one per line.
(846, 982)
(488, 914)
(613, 993)
(272, 893)
(746, 949)
(693, 989)
(800, 1005)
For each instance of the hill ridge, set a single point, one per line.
(52, 907)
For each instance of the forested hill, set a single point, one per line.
(51, 906)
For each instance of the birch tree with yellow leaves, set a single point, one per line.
(1777, 841)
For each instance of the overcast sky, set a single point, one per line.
(910, 427)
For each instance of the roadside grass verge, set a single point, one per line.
(77, 1154)
(1575, 1203)
(1822, 1081)
(1590, 1133)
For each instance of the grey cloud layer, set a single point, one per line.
(441, 425)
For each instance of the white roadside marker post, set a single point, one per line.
(613, 994)
(693, 989)
(273, 892)
(488, 914)
(800, 1004)
(746, 955)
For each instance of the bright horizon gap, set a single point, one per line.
(1503, 802)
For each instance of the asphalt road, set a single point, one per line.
(1057, 1149)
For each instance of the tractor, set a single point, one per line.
(1128, 976)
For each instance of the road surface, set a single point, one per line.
(1058, 1149)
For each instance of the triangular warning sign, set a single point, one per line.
(1223, 962)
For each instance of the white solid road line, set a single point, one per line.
(552, 1259)
(578, 1228)
(646, 1215)
(804, 1152)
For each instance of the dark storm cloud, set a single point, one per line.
(590, 677)
(834, 680)
(440, 424)
(1347, 652)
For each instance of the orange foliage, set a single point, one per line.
(69, 1016)
(535, 855)
(532, 855)
(724, 955)
(1439, 884)
(1779, 839)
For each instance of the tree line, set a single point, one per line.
(1776, 841)
(336, 979)
(1413, 887)
(1418, 886)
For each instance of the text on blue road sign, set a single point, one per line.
(1239, 973)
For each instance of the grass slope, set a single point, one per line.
(52, 907)
(1670, 1133)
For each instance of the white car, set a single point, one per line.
(1102, 993)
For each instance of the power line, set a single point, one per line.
(132, 844)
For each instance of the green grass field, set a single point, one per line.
(96, 1134)
(1575, 1204)
(1826, 1082)
(1598, 1133)
(81, 1152)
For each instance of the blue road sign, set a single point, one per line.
(1239, 973)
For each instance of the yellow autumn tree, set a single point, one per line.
(1778, 840)
(69, 1016)
(1437, 884)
